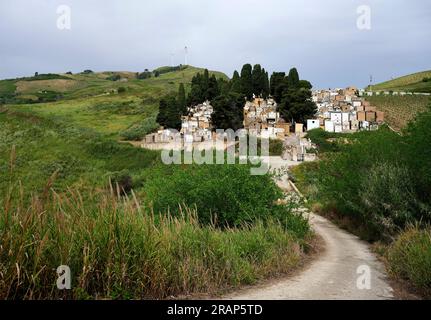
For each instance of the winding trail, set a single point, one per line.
(333, 275)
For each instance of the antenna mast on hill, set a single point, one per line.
(186, 51)
(371, 82)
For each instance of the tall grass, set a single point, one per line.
(116, 248)
(409, 258)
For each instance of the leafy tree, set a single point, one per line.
(170, 112)
(224, 86)
(228, 111)
(197, 92)
(203, 88)
(297, 105)
(213, 88)
(305, 84)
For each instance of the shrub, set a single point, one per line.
(121, 90)
(122, 180)
(417, 148)
(114, 77)
(388, 198)
(144, 75)
(409, 257)
(276, 147)
(226, 193)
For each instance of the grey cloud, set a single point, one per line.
(319, 37)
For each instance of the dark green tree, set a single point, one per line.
(293, 78)
(305, 84)
(228, 111)
(247, 81)
(265, 84)
(170, 113)
(278, 85)
(213, 88)
(297, 105)
(197, 92)
(236, 83)
(257, 80)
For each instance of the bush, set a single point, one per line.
(144, 75)
(226, 193)
(121, 90)
(122, 180)
(114, 77)
(409, 258)
(388, 199)
(276, 147)
(321, 139)
(426, 79)
(139, 131)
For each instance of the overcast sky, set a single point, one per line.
(320, 38)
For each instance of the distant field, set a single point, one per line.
(413, 83)
(94, 84)
(400, 110)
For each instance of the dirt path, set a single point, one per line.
(333, 275)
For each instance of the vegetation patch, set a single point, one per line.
(409, 258)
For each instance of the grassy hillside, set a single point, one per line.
(92, 100)
(399, 110)
(72, 86)
(417, 82)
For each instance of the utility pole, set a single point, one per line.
(371, 83)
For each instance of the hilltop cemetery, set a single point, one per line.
(342, 110)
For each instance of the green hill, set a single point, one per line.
(417, 82)
(54, 87)
(92, 100)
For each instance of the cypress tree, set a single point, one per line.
(236, 83)
(247, 81)
(257, 80)
(293, 78)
